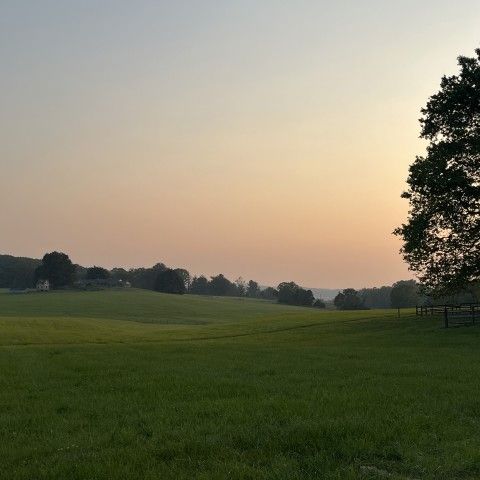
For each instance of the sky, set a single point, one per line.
(269, 140)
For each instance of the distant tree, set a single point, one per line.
(185, 274)
(319, 303)
(146, 277)
(442, 234)
(97, 273)
(339, 300)
(286, 292)
(375, 297)
(199, 286)
(291, 294)
(221, 286)
(118, 274)
(348, 299)
(170, 281)
(269, 293)
(404, 294)
(80, 272)
(57, 268)
(304, 297)
(240, 287)
(253, 290)
(17, 272)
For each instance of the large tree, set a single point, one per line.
(170, 281)
(220, 285)
(57, 268)
(291, 294)
(348, 299)
(404, 294)
(199, 286)
(97, 273)
(442, 233)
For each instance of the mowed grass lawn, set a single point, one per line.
(139, 385)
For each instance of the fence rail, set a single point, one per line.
(462, 314)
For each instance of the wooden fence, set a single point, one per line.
(453, 315)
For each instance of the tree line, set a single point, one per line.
(61, 272)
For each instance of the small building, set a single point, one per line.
(43, 286)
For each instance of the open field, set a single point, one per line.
(134, 384)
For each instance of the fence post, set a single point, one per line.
(445, 313)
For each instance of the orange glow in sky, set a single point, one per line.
(254, 139)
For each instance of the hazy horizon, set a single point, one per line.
(265, 141)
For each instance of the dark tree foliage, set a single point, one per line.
(404, 294)
(240, 287)
(146, 277)
(442, 233)
(17, 272)
(170, 281)
(199, 286)
(319, 303)
(253, 290)
(185, 275)
(221, 286)
(269, 293)
(291, 294)
(118, 274)
(348, 299)
(57, 268)
(376, 297)
(97, 273)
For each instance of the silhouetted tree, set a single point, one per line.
(221, 286)
(17, 272)
(240, 287)
(146, 277)
(304, 297)
(286, 292)
(118, 274)
(442, 234)
(170, 281)
(57, 268)
(404, 294)
(269, 293)
(185, 274)
(348, 299)
(376, 297)
(97, 273)
(291, 294)
(199, 286)
(253, 290)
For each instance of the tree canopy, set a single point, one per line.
(170, 281)
(291, 294)
(442, 233)
(97, 273)
(57, 268)
(348, 299)
(404, 294)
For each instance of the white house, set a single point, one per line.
(43, 286)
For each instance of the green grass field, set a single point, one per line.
(139, 385)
